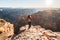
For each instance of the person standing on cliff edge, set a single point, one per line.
(29, 20)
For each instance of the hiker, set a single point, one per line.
(29, 20)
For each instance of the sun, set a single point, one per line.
(48, 2)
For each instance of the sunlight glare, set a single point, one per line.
(48, 2)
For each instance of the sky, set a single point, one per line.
(30, 3)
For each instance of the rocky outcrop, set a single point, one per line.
(6, 29)
(37, 33)
(34, 33)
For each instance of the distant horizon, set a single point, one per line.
(30, 8)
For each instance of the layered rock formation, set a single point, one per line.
(6, 29)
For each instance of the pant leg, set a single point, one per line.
(29, 23)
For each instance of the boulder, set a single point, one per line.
(6, 29)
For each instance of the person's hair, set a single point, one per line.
(29, 16)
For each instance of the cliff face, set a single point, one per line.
(6, 29)
(48, 19)
(37, 33)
